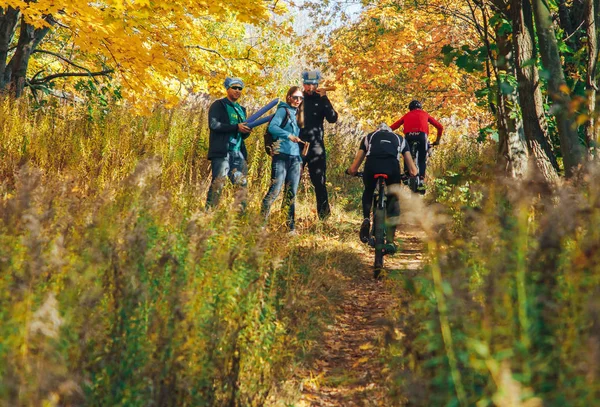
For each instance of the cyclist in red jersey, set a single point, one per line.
(416, 128)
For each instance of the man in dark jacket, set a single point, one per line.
(317, 107)
(226, 148)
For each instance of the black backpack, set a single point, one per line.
(268, 137)
(384, 144)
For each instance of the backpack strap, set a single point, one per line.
(368, 142)
(286, 119)
(401, 142)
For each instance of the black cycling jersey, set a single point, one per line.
(382, 144)
(383, 151)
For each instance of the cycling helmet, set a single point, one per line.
(415, 104)
(384, 126)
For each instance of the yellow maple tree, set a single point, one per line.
(158, 51)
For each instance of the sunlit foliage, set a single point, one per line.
(154, 51)
(392, 54)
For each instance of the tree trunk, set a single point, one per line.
(572, 150)
(570, 16)
(510, 128)
(8, 23)
(17, 66)
(596, 114)
(29, 39)
(530, 93)
(591, 81)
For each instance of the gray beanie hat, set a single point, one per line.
(229, 82)
(311, 77)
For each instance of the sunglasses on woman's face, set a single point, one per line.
(298, 97)
(235, 88)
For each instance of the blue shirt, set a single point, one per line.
(280, 134)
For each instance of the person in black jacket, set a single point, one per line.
(226, 148)
(317, 107)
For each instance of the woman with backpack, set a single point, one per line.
(286, 163)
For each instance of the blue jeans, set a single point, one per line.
(284, 169)
(234, 166)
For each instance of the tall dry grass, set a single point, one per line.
(507, 309)
(116, 287)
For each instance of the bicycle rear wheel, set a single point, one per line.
(413, 182)
(379, 230)
(379, 248)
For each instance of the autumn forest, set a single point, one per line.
(126, 280)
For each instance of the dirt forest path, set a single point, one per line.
(350, 369)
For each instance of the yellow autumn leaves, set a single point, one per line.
(159, 50)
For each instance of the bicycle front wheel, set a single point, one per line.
(413, 184)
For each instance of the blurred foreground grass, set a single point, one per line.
(507, 309)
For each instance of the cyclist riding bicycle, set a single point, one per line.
(416, 130)
(382, 149)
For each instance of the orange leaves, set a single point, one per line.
(391, 55)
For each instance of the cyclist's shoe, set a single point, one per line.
(404, 178)
(390, 248)
(364, 230)
(421, 187)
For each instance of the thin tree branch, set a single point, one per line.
(70, 74)
(36, 74)
(209, 50)
(574, 32)
(68, 61)
(260, 64)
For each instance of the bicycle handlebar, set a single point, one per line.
(359, 174)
